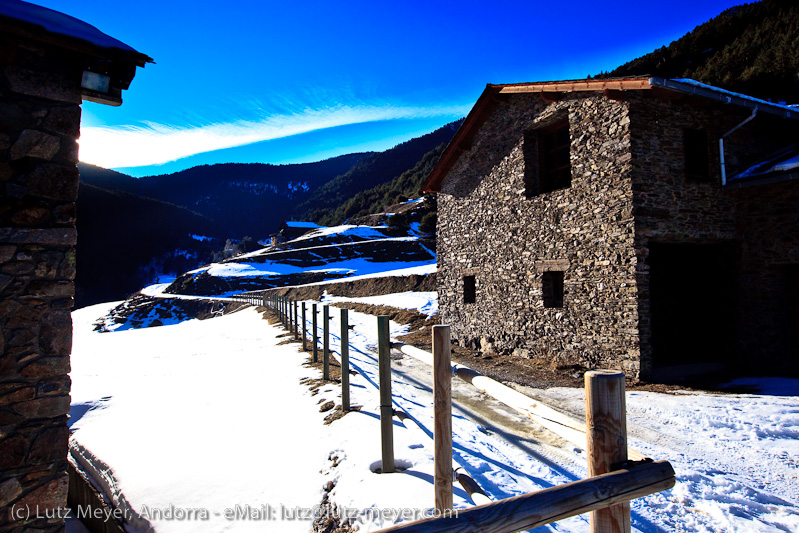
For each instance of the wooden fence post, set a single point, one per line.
(304, 329)
(386, 408)
(345, 362)
(442, 417)
(325, 342)
(315, 335)
(606, 436)
(296, 322)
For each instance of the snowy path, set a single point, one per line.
(735, 455)
(504, 452)
(194, 414)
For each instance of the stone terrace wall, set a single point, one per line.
(39, 125)
(488, 228)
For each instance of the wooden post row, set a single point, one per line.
(606, 435)
(386, 408)
(325, 342)
(345, 361)
(442, 418)
(314, 334)
(304, 328)
(296, 322)
(293, 311)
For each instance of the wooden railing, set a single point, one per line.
(617, 474)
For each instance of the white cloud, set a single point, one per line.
(153, 144)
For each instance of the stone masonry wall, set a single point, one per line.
(489, 229)
(668, 207)
(768, 225)
(39, 125)
(671, 209)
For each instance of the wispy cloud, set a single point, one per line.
(153, 144)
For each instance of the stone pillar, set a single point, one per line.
(39, 126)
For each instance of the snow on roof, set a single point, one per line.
(301, 224)
(59, 23)
(686, 81)
(787, 161)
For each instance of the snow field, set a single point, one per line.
(734, 455)
(210, 415)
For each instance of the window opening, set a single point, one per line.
(469, 289)
(552, 286)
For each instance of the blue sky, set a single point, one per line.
(285, 82)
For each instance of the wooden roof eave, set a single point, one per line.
(623, 84)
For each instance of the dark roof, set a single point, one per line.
(43, 24)
(493, 94)
(783, 166)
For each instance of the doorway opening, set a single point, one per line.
(693, 296)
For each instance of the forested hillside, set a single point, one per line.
(751, 48)
(338, 199)
(241, 199)
(125, 240)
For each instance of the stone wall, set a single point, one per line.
(489, 229)
(629, 192)
(39, 126)
(768, 225)
(669, 208)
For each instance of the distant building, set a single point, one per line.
(599, 224)
(292, 229)
(49, 63)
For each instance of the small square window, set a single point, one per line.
(697, 162)
(469, 289)
(552, 287)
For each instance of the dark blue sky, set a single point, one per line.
(283, 82)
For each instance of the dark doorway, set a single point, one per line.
(693, 294)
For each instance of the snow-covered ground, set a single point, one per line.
(425, 302)
(210, 415)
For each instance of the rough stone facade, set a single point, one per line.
(768, 321)
(628, 192)
(42, 72)
(39, 126)
(488, 228)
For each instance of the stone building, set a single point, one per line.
(291, 229)
(622, 224)
(49, 63)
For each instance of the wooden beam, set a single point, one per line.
(606, 436)
(628, 84)
(386, 406)
(345, 361)
(442, 418)
(535, 509)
